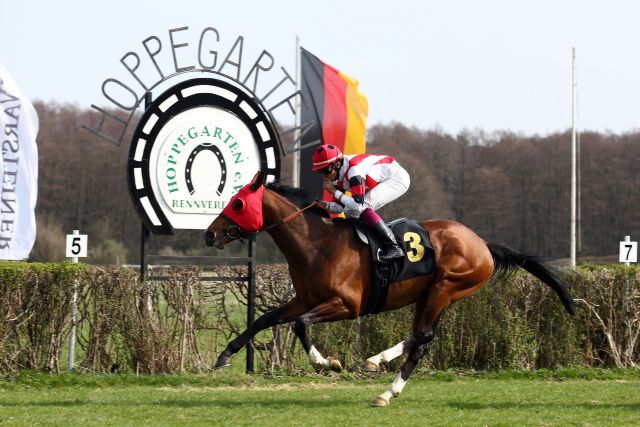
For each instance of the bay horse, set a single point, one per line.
(331, 272)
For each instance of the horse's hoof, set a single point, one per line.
(370, 367)
(335, 364)
(222, 362)
(379, 402)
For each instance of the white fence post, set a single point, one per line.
(74, 308)
(76, 247)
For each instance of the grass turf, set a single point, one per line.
(578, 397)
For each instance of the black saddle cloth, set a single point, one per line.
(419, 259)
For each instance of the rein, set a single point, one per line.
(239, 234)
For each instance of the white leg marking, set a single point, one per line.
(316, 358)
(388, 355)
(395, 389)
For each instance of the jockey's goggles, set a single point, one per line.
(327, 170)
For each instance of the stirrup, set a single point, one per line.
(389, 253)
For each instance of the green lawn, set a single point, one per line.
(234, 399)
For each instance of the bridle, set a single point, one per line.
(234, 232)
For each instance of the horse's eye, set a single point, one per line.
(238, 205)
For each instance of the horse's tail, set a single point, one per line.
(506, 260)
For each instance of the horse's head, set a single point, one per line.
(241, 216)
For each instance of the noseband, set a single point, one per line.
(234, 232)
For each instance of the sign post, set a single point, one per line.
(76, 248)
(202, 139)
(628, 251)
(195, 146)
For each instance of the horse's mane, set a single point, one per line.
(297, 196)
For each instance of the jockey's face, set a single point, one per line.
(331, 171)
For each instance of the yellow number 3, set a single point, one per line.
(417, 250)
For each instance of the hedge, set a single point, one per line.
(181, 323)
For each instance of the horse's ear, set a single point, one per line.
(258, 180)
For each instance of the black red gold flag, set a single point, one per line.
(339, 110)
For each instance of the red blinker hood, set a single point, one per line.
(248, 212)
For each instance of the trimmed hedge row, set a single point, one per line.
(517, 323)
(181, 323)
(35, 308)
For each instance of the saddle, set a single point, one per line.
(419, 259)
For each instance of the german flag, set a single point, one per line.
(331, 100)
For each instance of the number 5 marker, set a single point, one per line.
(76, 245)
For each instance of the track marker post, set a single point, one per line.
(76, 248)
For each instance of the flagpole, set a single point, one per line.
(296, 134)
(578, 177)
(573, 159)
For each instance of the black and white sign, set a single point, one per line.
(76, 245)
(628, 251)
(196, 145)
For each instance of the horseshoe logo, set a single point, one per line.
(192, 157)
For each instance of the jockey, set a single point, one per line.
(373, 180)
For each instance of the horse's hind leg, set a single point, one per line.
(372, 364)
(424, 329)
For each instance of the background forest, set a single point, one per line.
(510, 188)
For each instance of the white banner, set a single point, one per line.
(18, 170)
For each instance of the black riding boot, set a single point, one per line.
(390, 249)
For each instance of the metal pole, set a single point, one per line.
(573, 159)
(144, 234)
(625, 301)
(144, 247)
(74, 309)
(251, 301)
(579, 208)
(578, 179)
(296, 134)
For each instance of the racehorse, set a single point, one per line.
(331, 272)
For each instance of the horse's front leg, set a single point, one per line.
(283, 314)
(315, 357)
(331, 310)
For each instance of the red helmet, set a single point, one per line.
(325, 155)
